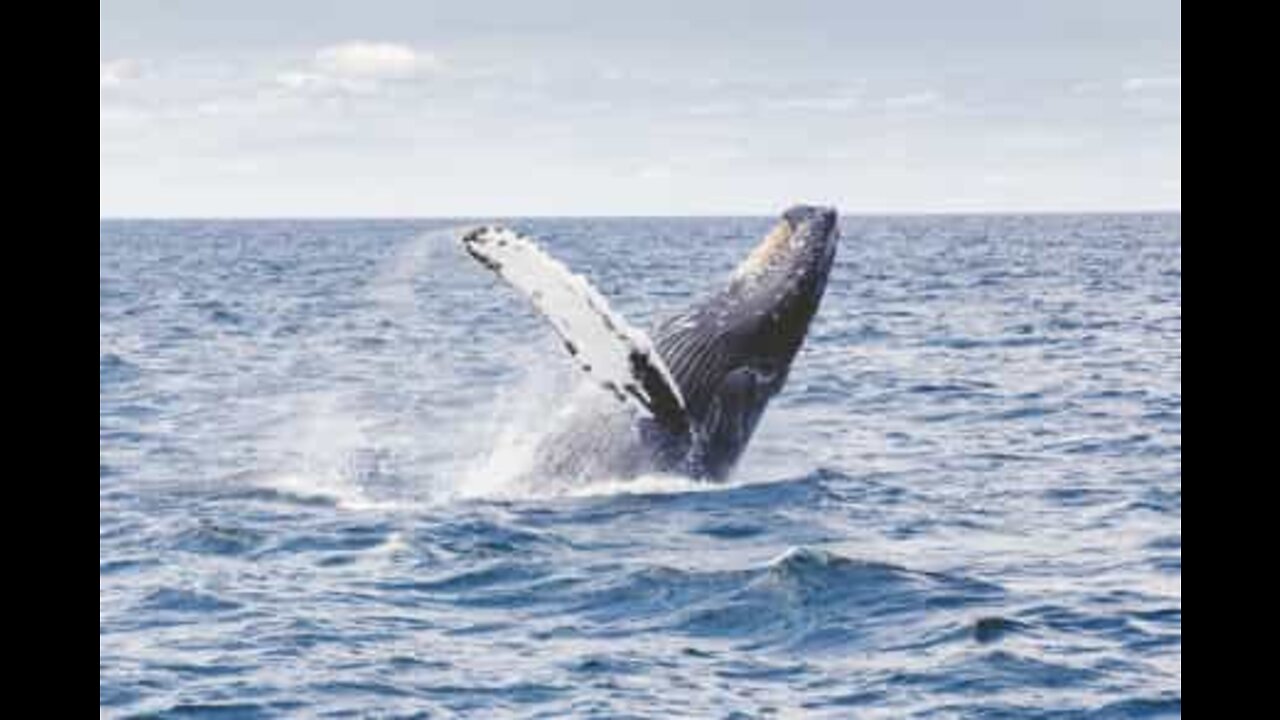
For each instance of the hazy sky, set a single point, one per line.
(412, 108)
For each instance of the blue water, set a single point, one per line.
(966, 503)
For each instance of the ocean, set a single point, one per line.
(314, 498)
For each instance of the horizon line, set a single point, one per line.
(636, 216)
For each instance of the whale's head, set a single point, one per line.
(731, 352)
(774, 293)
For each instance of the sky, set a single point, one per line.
(416, 108)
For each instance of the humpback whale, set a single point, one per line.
(685, 398)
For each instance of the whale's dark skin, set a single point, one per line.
(729, 353)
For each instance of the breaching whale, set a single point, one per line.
(686, 398)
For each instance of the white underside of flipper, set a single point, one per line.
(616, 355)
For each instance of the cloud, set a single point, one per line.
(914, 101)
(655, 172)
(1143, 84)
(114, 73)
(298, 80)
(819, 103)
(373, 61)
(715, 109)
(357, 67)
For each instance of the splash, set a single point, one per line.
(331, 449)
(509, 471)
(393, 285)
(336, 444)
(362, 446)
(322, 451)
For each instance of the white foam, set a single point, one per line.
(339, 490)
(657, 484)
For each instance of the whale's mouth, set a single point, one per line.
(777, 287)
(800, 247)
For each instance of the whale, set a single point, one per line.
(686, 396)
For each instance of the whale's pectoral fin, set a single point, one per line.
(619, 357)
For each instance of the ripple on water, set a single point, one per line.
(965, 503)
(170, 601)
(214, 538)
(114, 369)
